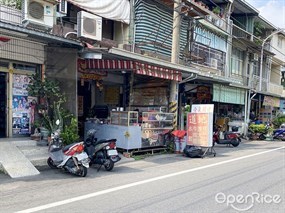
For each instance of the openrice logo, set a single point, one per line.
(238, 202)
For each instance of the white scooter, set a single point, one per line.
(71, 158)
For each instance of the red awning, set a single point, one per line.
(84, 65)
(3, 40)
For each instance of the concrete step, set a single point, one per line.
(37, 154)
(34, 150)
(14, 162)
(28, 142)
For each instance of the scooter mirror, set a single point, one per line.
(57, 122)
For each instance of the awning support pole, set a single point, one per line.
(175, 59)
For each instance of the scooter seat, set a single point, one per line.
(68, 146)
(55, 149)
(105, 141)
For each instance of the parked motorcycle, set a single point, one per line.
(279, 133)
(102, 152)
(229, 138)
(235, 131)
(261, 135)
(71, 158)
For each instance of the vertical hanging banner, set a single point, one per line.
(200, 125)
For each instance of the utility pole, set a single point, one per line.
(173, 106)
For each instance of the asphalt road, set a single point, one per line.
(250, 177)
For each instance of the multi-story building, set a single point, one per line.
(24, 50)
(254, 60)
(156, 55)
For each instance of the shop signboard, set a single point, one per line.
(202, 108)
(271, 101)
(200, 125)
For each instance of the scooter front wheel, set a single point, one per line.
(51, 163)
(262, 137)
(83, 171)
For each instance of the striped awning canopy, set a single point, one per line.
(97, 65)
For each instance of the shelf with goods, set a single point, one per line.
(124, 118)
(154, 126)
(158, 120)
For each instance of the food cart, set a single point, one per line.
(129, 132)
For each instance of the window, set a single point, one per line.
(25, 67)
(279, 42)
(4, 64)
(237, 62)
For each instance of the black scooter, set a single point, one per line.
(102, 152)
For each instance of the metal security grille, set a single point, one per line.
(154, 28)
(23, 50)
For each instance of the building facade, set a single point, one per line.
(147, 55)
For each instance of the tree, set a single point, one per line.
(50, 107)
(50, 100)
(17, 4)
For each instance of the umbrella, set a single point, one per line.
(179, 133)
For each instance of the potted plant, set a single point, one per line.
(50, 100)
(35, 131)
(216, 10)
(258, 129)
(70, 132)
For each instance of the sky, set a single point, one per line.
(271, 10)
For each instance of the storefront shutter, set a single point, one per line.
(226, 94)
(154, 28)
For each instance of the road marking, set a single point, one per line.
(95, 194)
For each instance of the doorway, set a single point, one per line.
(3, 104)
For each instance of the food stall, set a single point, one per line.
(129, 132)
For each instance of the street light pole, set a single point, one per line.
(261, 56)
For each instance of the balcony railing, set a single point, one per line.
(206, 56)
(10, 15)
(238, 32)
(275, 88)
(203, 9)
(217, 21)
(241, 33)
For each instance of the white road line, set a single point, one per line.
(87, 196)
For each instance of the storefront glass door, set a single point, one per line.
(3, 104)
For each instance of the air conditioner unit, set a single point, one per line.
(62, 7)
(89, 26)
(214, 63)
(38, 13)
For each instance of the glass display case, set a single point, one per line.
(157, 120)
(125, 118)
(154, 125)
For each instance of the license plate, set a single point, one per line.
(81, 156)
(112, 152)
(85, 162)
